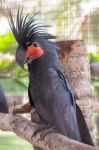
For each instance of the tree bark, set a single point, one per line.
(76, 66)
(95, 107)
(25, 129)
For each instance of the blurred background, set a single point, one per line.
(69, 19)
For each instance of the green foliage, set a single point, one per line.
(93, 57)
(14, 78)
(7, 43)
(95, 84)
(9, 70)
(6, 65)
(9, 141)
(14, 86)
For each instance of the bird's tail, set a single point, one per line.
(84, 131)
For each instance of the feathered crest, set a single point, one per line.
(26, 29)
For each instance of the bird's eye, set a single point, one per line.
(35, 44)
(28, 44)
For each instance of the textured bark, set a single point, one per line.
(95, 107)
(25, 129)
(20, 109)
(26, 108)
(75, 63)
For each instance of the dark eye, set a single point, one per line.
(35, 44)
(28, 44)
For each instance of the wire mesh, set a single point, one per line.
(69, 19)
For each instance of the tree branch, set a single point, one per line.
(25, 129)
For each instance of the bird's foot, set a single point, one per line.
(41, 128)
(45, 129)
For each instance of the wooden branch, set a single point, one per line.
(25, 129)
(26, 108)
(20, 109)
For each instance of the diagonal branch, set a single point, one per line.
(25, 129)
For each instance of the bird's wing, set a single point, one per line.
(63, 108)
(31, 100)
(67, 86)
(83, 128)
(65, 119)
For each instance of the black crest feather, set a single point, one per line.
(26, 29)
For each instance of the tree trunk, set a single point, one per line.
(75, 63)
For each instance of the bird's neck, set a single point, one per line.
(43, 64)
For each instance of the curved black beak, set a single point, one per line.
(20, 56)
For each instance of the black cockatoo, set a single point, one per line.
(3, 102)
(49, 90)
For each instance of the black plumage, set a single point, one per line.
(49, 90)
(26, 29)
(3, 102)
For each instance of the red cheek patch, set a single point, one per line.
(33, 51)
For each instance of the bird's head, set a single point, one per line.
(27, 31)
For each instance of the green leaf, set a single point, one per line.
(93, 57)
(7, 43)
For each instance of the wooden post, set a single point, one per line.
(75, 62)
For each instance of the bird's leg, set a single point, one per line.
(50, 130)
(35, 116)
(42, 127)
(26, 108)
